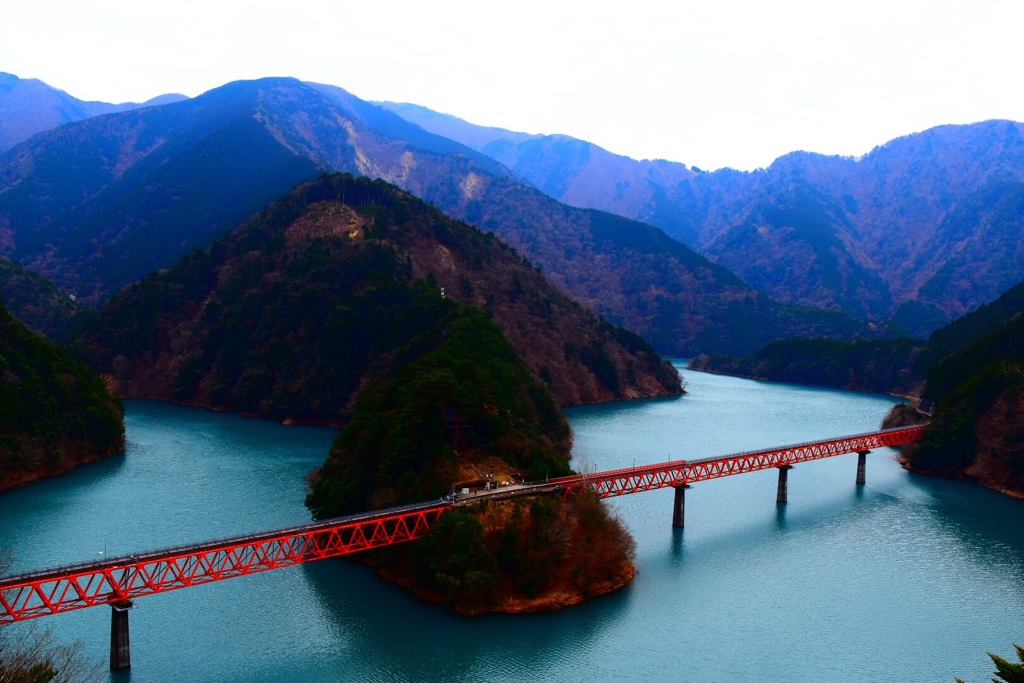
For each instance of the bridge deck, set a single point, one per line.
(115, 580)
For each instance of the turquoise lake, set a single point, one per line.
(907, 578)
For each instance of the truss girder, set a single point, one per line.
(681, 472)
(69, 588)
(119, 579)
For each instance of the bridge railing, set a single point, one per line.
(117, 579)
(682, 472)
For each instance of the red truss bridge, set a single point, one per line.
(119, 580)
(646, 477)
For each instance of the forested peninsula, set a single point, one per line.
(444, 356)
(55, 413)
(977, 430)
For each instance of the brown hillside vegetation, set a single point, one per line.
(977, 428)
(350, 302)
(286, 317)
(515, 556)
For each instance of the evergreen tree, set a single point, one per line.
(1008, 672)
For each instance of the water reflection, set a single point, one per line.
(678, 545)
(382, 629)
(939, 563)
(780, 516)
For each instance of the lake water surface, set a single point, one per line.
(907, 578)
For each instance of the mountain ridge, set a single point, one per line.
(30, 106)
(236, 327)
(148, 185)
(909, 199)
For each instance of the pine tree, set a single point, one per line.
(1008, 672)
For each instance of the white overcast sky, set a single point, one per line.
(712, 83)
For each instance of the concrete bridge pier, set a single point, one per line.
(120, 651)
(861, 466)
(679, 509)
(783, 494)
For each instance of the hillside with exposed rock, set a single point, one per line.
(919, 231)
(290, 314)
(100, 203)
(439, 350)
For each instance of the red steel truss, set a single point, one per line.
(119, 579)
(680, 472)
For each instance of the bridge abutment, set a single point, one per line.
(120, 650)
(861, 466)
(679, 508)
(783, 495)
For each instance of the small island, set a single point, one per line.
(468, 413)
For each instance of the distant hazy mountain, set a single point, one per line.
(921, 230)
(937, 214)
(29, 106)
(577, 172)
(99, 203)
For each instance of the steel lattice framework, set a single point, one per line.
(682, 472)
(118, 580)
(114, 581)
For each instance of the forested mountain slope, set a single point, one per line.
(37, 302)
(288, 316)
(898, 366)
(97, 204)
(922, 229)
(55, 413)
(977, 430)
